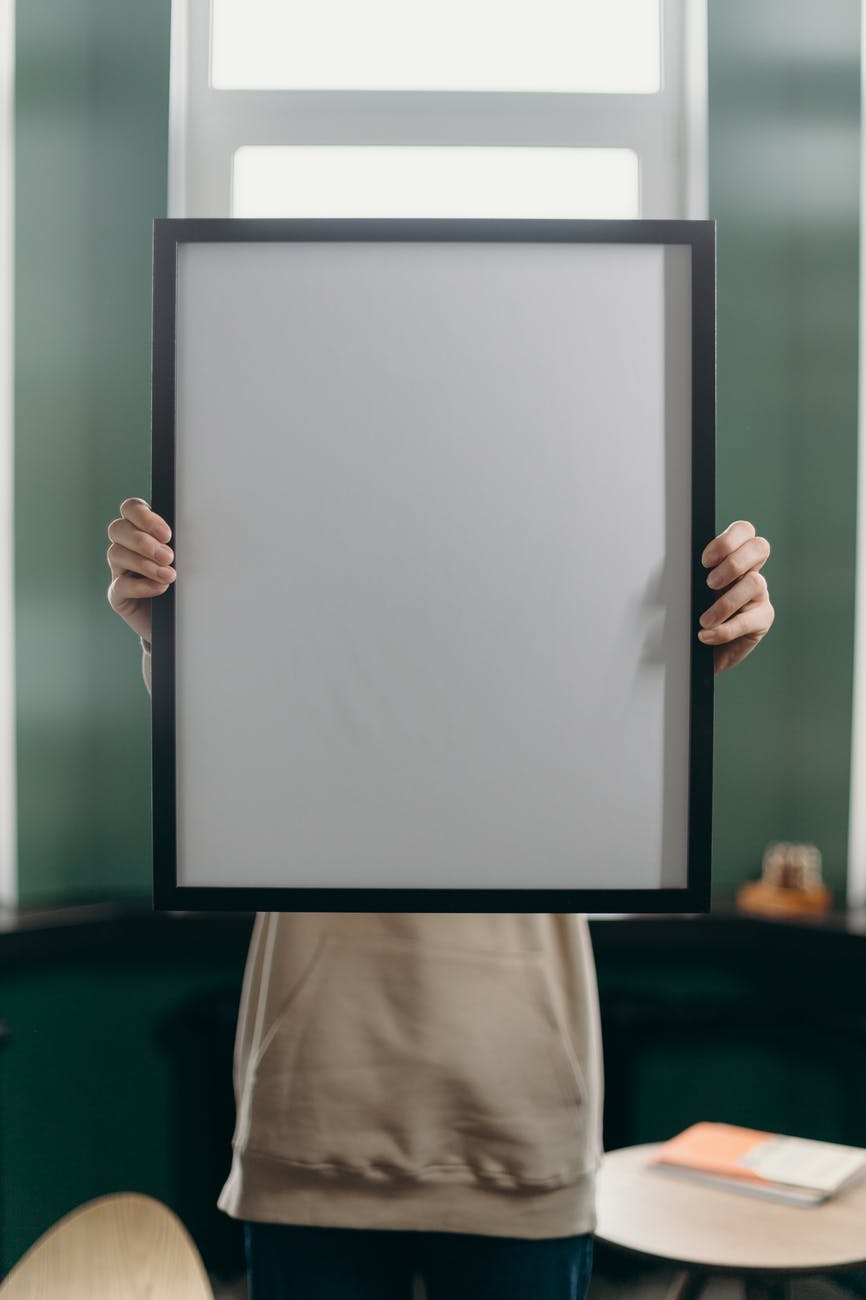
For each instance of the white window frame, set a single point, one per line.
(667, 130)
(857, 814)
(8, 783)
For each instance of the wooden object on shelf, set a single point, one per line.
(791, 883)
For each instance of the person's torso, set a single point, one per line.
(423, 1046)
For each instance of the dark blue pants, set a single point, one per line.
(296, 1263)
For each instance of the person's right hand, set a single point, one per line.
(140, 563)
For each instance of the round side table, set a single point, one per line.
(710, 1231)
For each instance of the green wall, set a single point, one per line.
(91, 124)
(784, 103)
(91, 167)
(92, 1081)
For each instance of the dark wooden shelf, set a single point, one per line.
(107, 925)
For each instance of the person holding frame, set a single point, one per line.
(421, 1094)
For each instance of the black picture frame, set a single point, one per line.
(699, 236)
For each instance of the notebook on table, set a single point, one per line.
(799, 1171)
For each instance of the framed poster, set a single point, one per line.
(439, 491)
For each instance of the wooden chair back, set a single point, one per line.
(121, 1247)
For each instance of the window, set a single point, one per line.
(554, 108)
(8, 867)
(365, 180)
(474, 108)
(560, 46)
(857, 824)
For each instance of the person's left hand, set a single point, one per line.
(742, 615)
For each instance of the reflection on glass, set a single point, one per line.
(303, 181)
(602, 46)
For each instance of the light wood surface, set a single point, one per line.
(124, 1247)
(642, 1210)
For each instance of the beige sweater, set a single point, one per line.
(418, 1071)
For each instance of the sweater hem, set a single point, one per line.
(263, 1190)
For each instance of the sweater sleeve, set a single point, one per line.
(145, 662)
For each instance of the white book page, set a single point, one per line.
(804, 1162)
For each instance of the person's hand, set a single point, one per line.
(140, 562)
(742, 615)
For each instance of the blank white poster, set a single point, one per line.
(433, 537)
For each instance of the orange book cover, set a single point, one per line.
(799, 1170)
(714, 1148)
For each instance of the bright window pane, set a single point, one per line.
(508, 45)
(301, 181)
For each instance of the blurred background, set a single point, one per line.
(115, 1067)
